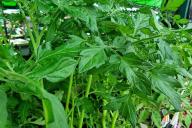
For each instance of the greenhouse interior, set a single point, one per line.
(96, 64)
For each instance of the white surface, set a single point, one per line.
(19, 42)
(11, 11)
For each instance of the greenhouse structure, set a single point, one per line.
(96, 63)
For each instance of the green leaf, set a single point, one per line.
(172, 5)
(146, 31)
(140, 21)
(162, 78)
(164, 69)
(60, 3)
(167, 52)
(54, 70)
(64, 70)
(3, 108)
(176, 17)
(39, 121)
(5, 52)
(127, 65)
(128, 71)
(71, 48)
(24, 110)
(54, 112)
(119, 42)
(156, 118)
(184, 72)
(128, 111)
(89, 16)
(154, 22)
(92, 23)
(148, 2)
(187, 120)
(86, 104)
(114, 104)
(92, 57)
(143, 116)
(21, 83)
(133, 60)
(143, 84)
(167, 88)
(183, 21)
(108, 26)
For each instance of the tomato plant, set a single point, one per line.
(93, 64)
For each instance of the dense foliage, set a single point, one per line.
(94, 64)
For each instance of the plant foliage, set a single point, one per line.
(98, 61)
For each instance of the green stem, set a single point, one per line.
(114, 119)
(147, 39)
(81, 118)
(37, 36)
(104, 118)
(86, 95)
(69, 93)
(72, 113)
(88, 86)
(104, 115)
(29, 30)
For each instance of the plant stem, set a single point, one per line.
(114, 119)
(104, 118)
(44, 102)
(72, 113)
(86, 95)
(69, 92)
(37, 36)
(29, 30)
(147, 39)
(81, 118)
(88, 86)
(104, 115)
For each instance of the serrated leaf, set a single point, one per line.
(60, 3)
(89, 16)
(127, 65)
(162, 78)
(128, 111)
(119, 42)
(167, 89)
(113, 105)
(64, 70)
(167, 52)
(140, 21)
(143, 84)
(71, 48)
(92, 57)
(55, 70)
(128, 71)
